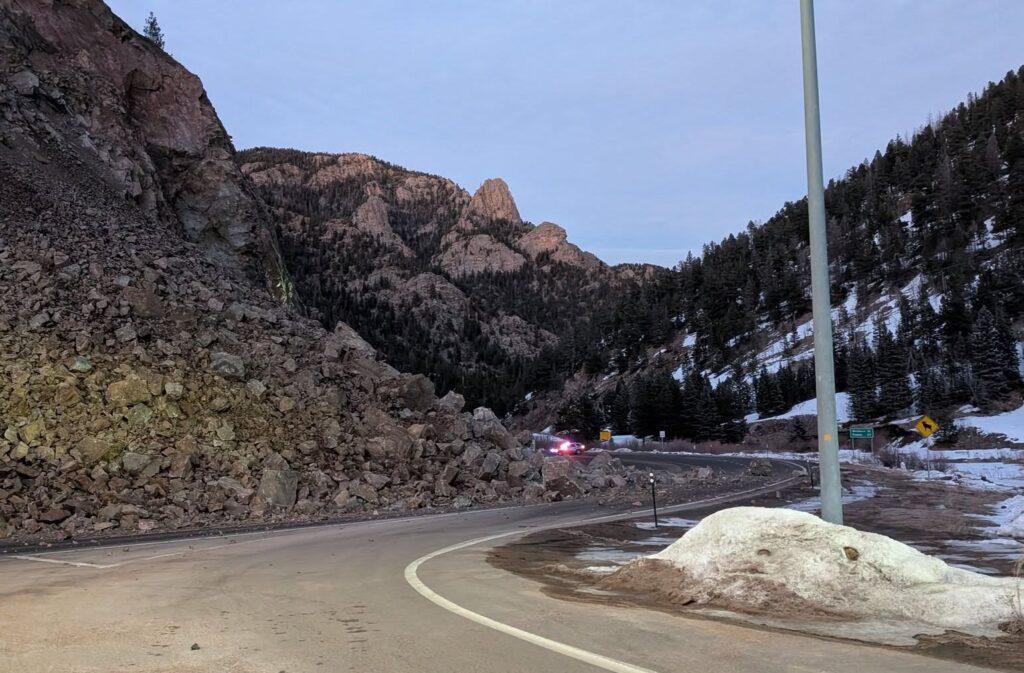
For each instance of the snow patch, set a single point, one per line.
(671, 522)
(856, 493)
(1009, 517)
(764, 559)
(810, 408)
(1010, 424)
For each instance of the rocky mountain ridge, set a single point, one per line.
(452, 285)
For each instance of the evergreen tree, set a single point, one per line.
(862, 385)
(581, 417)
(698, 417)
(989, 360)
(894, 394)
(731, 407)
(768, 395)
(152, 31)
(618, 409)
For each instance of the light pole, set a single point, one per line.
(824, 374)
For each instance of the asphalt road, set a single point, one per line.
(406, 595)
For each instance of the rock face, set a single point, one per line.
(138, 117)
(479, 254)
(477, 291)
(493, 201)
(148, 381)
(550, 238)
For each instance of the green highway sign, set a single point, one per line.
(862, 433)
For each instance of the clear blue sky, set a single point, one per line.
(644, 128)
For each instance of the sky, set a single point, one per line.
(646, 129)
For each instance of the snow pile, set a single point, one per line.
(1010, 424)
(1009, 517)
(788, 563)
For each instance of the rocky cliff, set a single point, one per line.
(448, 284)
(148, 378)
(80, 77)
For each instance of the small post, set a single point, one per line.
(654, 499)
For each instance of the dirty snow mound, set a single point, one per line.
(749, 558)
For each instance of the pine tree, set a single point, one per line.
(152, 31)
(618, 412)
(580, 416)
(730, 403)
(862, 385)
(988, 359)
(698, 419)
(894, 390)
(768, 395)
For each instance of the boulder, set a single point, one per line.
(518, 471)
(366, 493)
(485, 425)
(278, 487)
(452, 402)
(775, 560)
(759, 467)
(560, 476)
(417, 393)
(129, 391)
(491, 465)
(227, 365)
(134, 463)
(92, 449)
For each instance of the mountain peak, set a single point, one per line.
(493, 200)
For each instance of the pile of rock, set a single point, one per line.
(566, 478)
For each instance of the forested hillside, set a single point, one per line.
(926, 242)
(456, 287)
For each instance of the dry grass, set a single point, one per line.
(1017, 625)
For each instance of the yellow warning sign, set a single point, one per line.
(606, 435)
(926, 426)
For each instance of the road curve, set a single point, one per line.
(334, 598)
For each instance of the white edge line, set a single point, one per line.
(592, 658)
(64, 562)
(585, 656)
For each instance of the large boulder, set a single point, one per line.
(417, 393)
(561, 476)
(279, 483)
(452, 402)
(486, 426)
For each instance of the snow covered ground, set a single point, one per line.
(1010, 424)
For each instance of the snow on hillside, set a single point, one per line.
(1010, 424)
(855, 315)
(810, 408)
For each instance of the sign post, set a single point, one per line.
(654, 499)
(863, 433)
